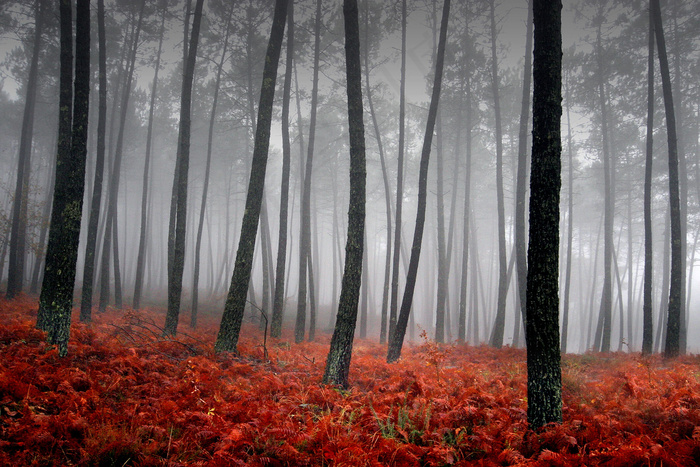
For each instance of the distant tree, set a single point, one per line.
(205, 187)
(178, 210)
(673, 324)
(141, 254)
(340, 353)
(305, 206)
(647, 314)
(56, 299)
(542, 333)
(227, 339)
(396, 341)
(278, 298)
(498, 329)
(18, 232)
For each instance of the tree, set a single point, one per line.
(499, 324)
(647, 315)
(232, 318)
(338, 361)
(672, 348)
(305, 206)
(542, 324)
(396, 340)
(141, 255)
(56, 299)
(94, 216)
(15, 274)
(205, 187)
(178, 207)
(278, 298)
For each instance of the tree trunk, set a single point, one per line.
(396, 341)
(205, 187)
(141, 255)
(672, 348)
(338, 361)
(521, 174)
(56, 299)
(278, 299)
(232, 318)
(18, 233)
(393, 307)
(570, 227)
(178, 224)
(499, 323)
(542, 334)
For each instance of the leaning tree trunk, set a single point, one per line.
(672, 348)
(570, 229)
(278, 299)
(542, 334)
(178, 225)
(18, 233)
(500, 321)
(393, 306)
(205, 187)
(338, 361)
(396, 342)
(232, 318)
(141, 255)
(56, 299)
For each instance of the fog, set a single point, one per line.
(615, 30)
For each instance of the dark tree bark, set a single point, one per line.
(305, 206)
(232, 318)
(542, 334)
(521, 175)
(205, 187)
(648, 318)
(95, 204)
(498, 331)
(396, 341)
(673, 325)
(56, 299)
(393, 307)
(278, 299)
(18, 232)
(338, 361)
(141, 255)
(178, 219)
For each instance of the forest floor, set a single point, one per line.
(124, 396)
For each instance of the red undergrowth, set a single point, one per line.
(125, 397)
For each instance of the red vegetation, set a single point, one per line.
(125, 397)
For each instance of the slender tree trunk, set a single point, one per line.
(141, 255)
(18, 233)
(672, 348)
(521, 174)
(499, 324)
(570, 227)
(542, 335)
(56, 299)
(232, 318)
(385, 179)
(396, 342)
(178, 224)
(278, 300)
(205, 187)
(46, 217)
(338, 361)
(393, 309)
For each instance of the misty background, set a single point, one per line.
(614, 30)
